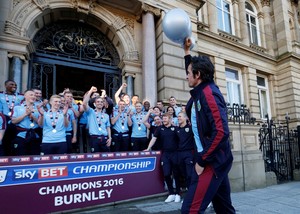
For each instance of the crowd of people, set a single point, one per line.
(31, 125)
(194, 140)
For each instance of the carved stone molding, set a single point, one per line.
(129, 24)
(19, 17)
(265, 3)
(148, 9)
(257, 48)
(11, 55)
(118, 23)
(16, 2)
(42, 4)
(260, 15)
(12, 28)
(84, 6)
(235, 1)
(131, 55)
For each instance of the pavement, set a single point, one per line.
(281, 198)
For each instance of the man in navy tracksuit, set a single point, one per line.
(213, 158)
(186, 147)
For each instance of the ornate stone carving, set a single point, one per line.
(42, 4)
(235, 1)
(260, 15)
(84, 6)
(27, 8)
(118, 23)
(131, 55)
(148, 9)
(12, 28)
(265, 3)
(129, 25)
(16, 2)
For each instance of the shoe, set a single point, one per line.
(170, 198)
(177, 198)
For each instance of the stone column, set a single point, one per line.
(130, 88)
(243, 26)
(15, 71)
(269, 38)
(149, 54)
(282, 26)
(262, 33)
(212, 17)
(236, 12)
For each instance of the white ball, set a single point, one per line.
(177, 25)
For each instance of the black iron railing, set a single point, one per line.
(239, 114)
(280, 147)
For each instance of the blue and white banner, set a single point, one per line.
(36, 173)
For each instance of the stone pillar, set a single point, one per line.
(269, 38)
(130, 88)
(149, 54)
(282, 26)
(220, 77)
(15, 71)
(251, 95)
(212, 18)
(243, 26)
(237, 24)
(262, 33)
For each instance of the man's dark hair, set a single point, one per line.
(7, 81)
(203, 65)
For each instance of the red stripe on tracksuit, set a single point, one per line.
(217, 119)
(204, 181)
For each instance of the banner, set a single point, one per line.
(43, 184)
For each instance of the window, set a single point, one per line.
(252, 24)
(234, 86)
(263, 97)
(225, 22)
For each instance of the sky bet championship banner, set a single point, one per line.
(43, 184)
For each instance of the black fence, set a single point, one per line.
(239, 114)
(280, 147)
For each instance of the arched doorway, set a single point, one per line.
(73, 55)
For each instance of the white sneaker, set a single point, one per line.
(177, 198)
(170, 198)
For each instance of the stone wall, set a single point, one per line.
(248, 170)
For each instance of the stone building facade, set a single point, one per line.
(254, 44)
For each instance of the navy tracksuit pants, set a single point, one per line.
(207, 188)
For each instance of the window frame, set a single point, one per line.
(234, 81)
(266, 89)
(253, 14)
(231, 21)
